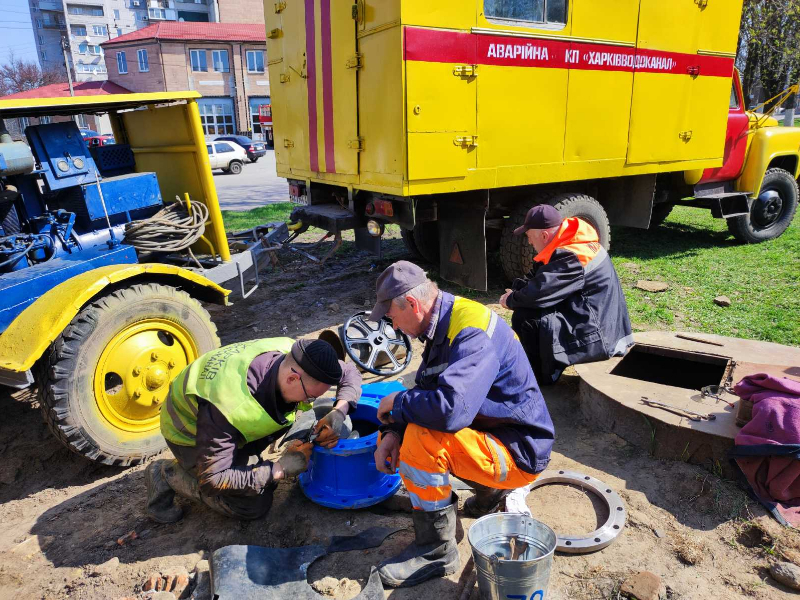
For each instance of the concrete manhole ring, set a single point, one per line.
(605, 534)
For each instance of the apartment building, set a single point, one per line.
(225, 62)
(87, 23)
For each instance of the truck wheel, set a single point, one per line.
(516, 254)
(426, 239)
(410, 244)
(771, 213)
(104, 380)
(235, 167)
(660, 213)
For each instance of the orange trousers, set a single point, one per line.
(427, 458)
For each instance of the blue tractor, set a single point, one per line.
(105, 257)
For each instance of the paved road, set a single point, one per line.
(255, 186)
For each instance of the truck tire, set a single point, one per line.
(235, 167)
(660, 213)
(410, 244)
(103, 381)
(516, 254)
(771, 213)
(426, 239)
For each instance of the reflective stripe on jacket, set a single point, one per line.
(580, 314)
(220, 377)
(475, 374)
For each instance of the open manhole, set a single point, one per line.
(676, 368)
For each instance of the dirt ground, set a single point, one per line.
(62, 516)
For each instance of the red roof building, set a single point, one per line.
(225, 62)
(59, 90)
(178, 31)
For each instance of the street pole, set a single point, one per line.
(64, 48)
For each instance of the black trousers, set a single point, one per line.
(237, 506)
(525, 322)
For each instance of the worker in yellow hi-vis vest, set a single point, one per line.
(228, 406)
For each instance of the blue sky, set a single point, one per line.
(16, 32)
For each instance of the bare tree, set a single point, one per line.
(18, 75)
(769, 45)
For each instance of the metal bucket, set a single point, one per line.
(513, 555)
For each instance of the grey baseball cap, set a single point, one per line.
(395, 281)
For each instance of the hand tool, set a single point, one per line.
(692, 416)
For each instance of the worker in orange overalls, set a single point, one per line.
(476, 412)
(569, 309)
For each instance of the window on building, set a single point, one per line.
(41, 40)
(157, 13)
(119, 31)
(43, 55)
(532, 11)
(199, 60)
(24, 122)
(122, 63)
(220, 59)
(45, 120)
(87, 48)
(255, 120)
(192, 17)
(77, 9)
(255, 61)
(116, 13)
(217, 118)
(80, 120)
(39, 23)
(144, 65)
(99, 30)
(78, 29)
(61, 21)
(201, 1)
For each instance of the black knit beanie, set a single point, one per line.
(318, 359)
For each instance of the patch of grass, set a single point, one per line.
(697, 257)
(236, 220)
(693, 253)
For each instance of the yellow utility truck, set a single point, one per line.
(453, 118)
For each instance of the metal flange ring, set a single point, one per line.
(605, 534)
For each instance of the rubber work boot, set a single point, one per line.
(161, 505)
(485, 501)
(433, 554)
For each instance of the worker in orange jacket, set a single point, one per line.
(569, 309)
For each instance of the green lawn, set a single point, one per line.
(237, 220)
(697, 257)
(699, 260)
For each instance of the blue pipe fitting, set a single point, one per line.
(345, 475)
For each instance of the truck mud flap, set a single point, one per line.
(462, 241)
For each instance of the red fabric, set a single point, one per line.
(775, 423)
(208, 32)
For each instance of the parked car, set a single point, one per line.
(87, 133)
(226, 156)
(255, 150)
(99, 140)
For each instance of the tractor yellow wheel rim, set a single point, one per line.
(135, 369)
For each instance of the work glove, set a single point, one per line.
(295, 458)
(328, 428)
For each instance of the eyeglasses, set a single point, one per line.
(308, 396)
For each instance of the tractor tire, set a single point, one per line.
(516, 254)
(103, 381)
(411, 246)
(660, 213)
(235, 167)
(426, 239)
(771, 213)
